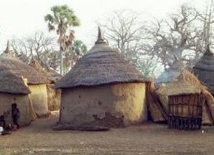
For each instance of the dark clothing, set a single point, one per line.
(15, 112)
(15, 115)
(2, 121)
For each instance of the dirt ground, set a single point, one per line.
(145, 139)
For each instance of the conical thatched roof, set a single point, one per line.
(101, 65)
(21, 69)
(10, 83)
(204, 69)
(37, 66)
(50, 74)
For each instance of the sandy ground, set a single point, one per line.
(145, 139)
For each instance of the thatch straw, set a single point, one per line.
(10, 83)
(155, 109)
(37, 66)
(53, 76)
(50, 74)
(167, 76)
(204, 70)
(21, 69)
(100, 67)
(179, 87)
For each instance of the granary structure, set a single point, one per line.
(102, 89)
(187, 93)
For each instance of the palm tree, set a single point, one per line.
(60, 20)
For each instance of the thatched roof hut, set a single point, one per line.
(35, 81)
(11, 83)
(204, 70)
(22, 70)
(14, 89)
(103, 89)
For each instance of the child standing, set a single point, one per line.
(15, 114)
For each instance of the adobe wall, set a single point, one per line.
(39, 99)
(109, 105)
(54, 96)
(23, 103)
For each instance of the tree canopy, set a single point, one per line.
(61, 19)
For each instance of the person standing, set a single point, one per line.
(15, 115)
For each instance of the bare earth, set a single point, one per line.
(146, 139)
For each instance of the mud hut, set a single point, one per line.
(14, 89)
(54, 95)
(102, 89)
(204, 70)
(188, 86)
(35, 81)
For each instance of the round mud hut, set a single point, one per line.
(204, 70)
(102, 89)
(35, 81)
(14, 89)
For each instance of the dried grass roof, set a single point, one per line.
(53, 75)
(21, 69)
(204, 70)
(10, 83)
(101, 65)
(50, 74)
(186, 83)
(206, 62)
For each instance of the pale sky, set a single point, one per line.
(19, 18)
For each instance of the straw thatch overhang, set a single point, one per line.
(53, 76)
(101, 65)
(178, 88)
(10, 83)
(99, 68)
(49, 73)
(185, 83)
(21, 69)
(204, 69)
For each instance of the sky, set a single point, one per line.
(21, 18)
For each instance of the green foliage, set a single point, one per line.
(61, 18)
(73, 54)
(79, 48)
